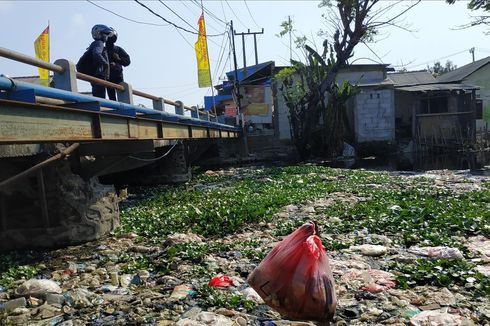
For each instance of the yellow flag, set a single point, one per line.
(201, 46)
(41, 46)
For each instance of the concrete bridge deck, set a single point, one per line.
(61, 152)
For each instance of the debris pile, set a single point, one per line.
(403, 250)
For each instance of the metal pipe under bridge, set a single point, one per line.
(62, 153)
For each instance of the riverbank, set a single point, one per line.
(404, 247)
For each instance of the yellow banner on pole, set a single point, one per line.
(201, 47)
(41, 46)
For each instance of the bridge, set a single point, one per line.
(61, 152)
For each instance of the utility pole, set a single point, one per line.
(237, 86)
(238, 96)
(243, 45)
(472, 51)
(290, 39)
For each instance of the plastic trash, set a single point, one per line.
(370, 250)
(440, 252)
(181, 292)
(221, 281)
(295, 278)
(372, 280)
(36, 288)
(432, 317)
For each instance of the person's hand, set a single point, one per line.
(116, 56)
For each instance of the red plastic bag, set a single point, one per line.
(295, 278)
(221, 281)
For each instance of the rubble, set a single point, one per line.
(384, 273)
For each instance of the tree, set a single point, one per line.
(316, 102)
(437, 69)
(479, 19)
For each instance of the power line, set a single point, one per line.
(434, 60)
(210, 13)
(171, 23)
(126, 18)
(248, 9)
(220, 56)
(223, 10)
(234, 14)
(176, 14)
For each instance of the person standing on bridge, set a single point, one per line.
(94, 61)
(117, 59)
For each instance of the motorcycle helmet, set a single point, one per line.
(113, 37)
(101, 32)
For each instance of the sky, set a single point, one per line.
(163, 61)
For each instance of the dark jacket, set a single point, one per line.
(100, 59)
(117, 58)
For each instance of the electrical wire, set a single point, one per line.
(220, 55)
(234, 14)
(432, 61)
(123, 17)
(171, 23)
(251, 16)
(182, 35)
(156, 158)
(176, 14)
(223, 9)
(210, 13)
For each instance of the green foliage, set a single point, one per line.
(219, 211)
(425, 215)
(443, 273)
(438, 69)
(475, 4)
(129, 264)
(286, 27)
(212, 297)
(11, 272)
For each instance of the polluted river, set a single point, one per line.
(403, 248)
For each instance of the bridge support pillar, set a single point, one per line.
(68, 79)
(125, 96)
(79, 210)
(159, 105)
(194, 112)
(179, 108)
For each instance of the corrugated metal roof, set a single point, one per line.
(369, 83)
(411, 78)
(436, 87)
(462, 72)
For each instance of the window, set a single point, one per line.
(433, 105)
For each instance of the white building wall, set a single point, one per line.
(481, 78)
(375, 115)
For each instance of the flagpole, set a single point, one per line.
(210, 75)
(49, 44)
